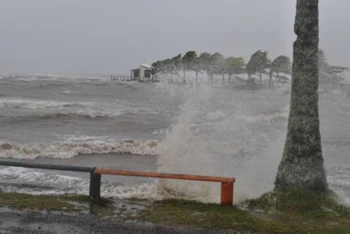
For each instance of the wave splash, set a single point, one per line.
(70, 149)
(224, 133)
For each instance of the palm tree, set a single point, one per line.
(278, 65)
(302, 165)
(329, 75)
(197, 68)
(234, 66)
(188, 62)
(204, 64)
(175, 65)
(217, 64)
(257, 64)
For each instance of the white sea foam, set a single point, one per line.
(71, 149)
(84, 109)
(279, 114)
(37, 104)
(53, 76)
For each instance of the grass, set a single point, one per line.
(294, 212)
(208, 216)
(66, 203)
(37, 202)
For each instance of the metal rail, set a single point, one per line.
(46, 166)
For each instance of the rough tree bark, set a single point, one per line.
(302, 165)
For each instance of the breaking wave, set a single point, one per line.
(38, 104)
(53, 77)
(70, 149)
(87, 114)
(53, 109)
(274, 115)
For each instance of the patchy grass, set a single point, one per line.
(305, 211)
(65, 203)
(299, 201)
(294, 212)
(332, 218)
(37, 202)
(213, 216)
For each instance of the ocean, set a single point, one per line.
(200, 129)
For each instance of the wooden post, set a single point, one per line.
(95, 185)
(227, 193)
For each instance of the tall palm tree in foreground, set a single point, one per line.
(302, 165)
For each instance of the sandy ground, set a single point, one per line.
(12, 221)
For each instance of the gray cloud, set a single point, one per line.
(112, 36)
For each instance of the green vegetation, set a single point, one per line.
(234, 66)
(66, 203)
(281, 64)
(40, 202)
(300, 201)
(334, 218)
(295, 213)
(328, 75)
(258, 64)
(189, 63)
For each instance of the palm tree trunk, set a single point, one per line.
(302, 165)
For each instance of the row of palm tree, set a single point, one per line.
(258, 64)
(217, 64)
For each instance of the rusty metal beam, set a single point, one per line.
(227, 184)
(163, 175)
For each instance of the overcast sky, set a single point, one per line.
(113, 36)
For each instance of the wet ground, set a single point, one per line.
(12, 221)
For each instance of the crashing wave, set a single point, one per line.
(53, 109)
(38, 104)
(87, 114)
(51, 76)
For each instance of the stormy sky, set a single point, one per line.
(113, 36)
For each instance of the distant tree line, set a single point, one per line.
(217, 64)
(329, 75)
